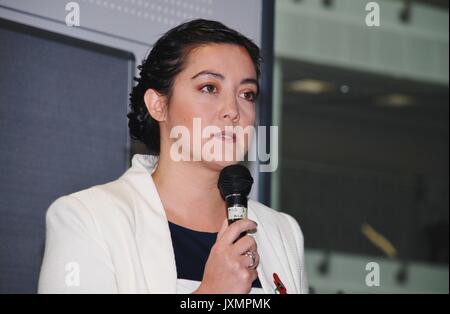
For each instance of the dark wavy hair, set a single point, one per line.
(166, 59)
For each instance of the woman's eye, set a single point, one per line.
(209, 89)
(250, 96)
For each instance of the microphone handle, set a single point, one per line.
(236, 209)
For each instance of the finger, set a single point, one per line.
(253, 274)
(236, 228)
(244, 244)
(246, 261)
(222, 229)
(257, 259)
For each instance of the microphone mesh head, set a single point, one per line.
(235, 179)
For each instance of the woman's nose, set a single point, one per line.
(230, 111)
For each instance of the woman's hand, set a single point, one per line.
(227, 268)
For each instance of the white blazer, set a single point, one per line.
(115, 238)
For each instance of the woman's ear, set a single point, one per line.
(156, 105)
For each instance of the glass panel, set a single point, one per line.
(363, 116)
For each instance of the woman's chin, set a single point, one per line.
(218, 165)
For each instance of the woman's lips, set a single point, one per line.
(226, 136)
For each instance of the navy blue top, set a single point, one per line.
(192, 249)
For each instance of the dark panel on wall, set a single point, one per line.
(63, 128)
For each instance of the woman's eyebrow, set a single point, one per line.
(222, 77)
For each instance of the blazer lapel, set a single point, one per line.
(272, 257)
(152, 231)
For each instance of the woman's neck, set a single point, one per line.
(189, 194)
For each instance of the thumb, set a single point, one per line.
(222, 229)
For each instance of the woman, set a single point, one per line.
(162, 226)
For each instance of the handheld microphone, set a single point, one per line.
(235, 183)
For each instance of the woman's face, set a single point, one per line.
(218, 85)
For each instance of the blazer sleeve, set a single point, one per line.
(76, 260)
(298, 234)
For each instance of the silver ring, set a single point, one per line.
(253, 257)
